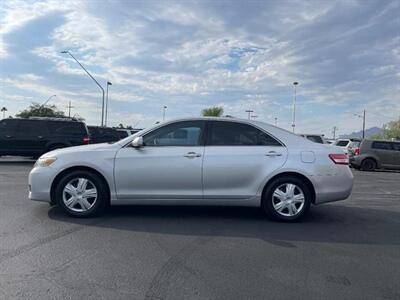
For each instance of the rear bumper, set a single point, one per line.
(335, 187)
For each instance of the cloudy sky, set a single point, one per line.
(189, 55)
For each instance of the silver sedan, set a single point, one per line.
(196, 161)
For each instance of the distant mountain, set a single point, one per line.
(358, 134)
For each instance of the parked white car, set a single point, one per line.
(348, 144)
(196, 161)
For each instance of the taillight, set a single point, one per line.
(86, 140)
(339, 159)
(357, 151)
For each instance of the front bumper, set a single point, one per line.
(40, 180)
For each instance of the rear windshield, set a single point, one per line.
(342, 143)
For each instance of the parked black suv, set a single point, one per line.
(34, 136)
(103, 134)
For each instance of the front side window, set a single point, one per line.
(237, 134)
(30, 128)
(382, 145)
(186, 133)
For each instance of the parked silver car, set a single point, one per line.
(196, 161)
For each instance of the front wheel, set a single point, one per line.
(286, 199)
(81, 194)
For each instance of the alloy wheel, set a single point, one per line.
(288, 199)
(79, 195)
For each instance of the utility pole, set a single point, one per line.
(364, 124)
(69, 109)
(249, 111)
(334, 129)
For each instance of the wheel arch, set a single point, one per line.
(374, 158)
(76, 168)
(297, 175)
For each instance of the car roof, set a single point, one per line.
(286, 137)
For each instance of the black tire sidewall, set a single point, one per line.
(102, 195)
(267, 205)
(370, 163)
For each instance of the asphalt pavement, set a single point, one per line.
(343, 250)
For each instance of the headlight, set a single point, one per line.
(45, 161)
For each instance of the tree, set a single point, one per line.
(391, 130)
(38, 110)
(3, 110)
(214, 111)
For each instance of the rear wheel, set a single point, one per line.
(368, 164)
(286, 199)
(81, 194)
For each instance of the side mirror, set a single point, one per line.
(137, 142)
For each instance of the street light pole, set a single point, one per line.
(87, 72)
(45, 102)
(108, 83)
(163, 116)
(249, 111)
(294, 105)
(364, 124)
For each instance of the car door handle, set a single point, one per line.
(273, 154)
(192, 155)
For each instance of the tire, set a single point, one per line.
(295, 207)
(83, 202)
(368, 164)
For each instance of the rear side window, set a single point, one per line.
(66, 128)
(382, 145)
(30, 128)
(8, 127)
(396, 146)
(237, 134)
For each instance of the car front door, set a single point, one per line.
(238, 157)
(31, 137)
(168, 166)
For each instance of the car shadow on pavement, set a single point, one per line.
(331, 223)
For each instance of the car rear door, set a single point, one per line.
(383, 150)
(395, 160)
(167, 167)
(237, 159)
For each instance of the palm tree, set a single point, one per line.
(215, 111)
(3, 110)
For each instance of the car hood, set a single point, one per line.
(82, 149)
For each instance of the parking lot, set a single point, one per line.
(348, 249)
